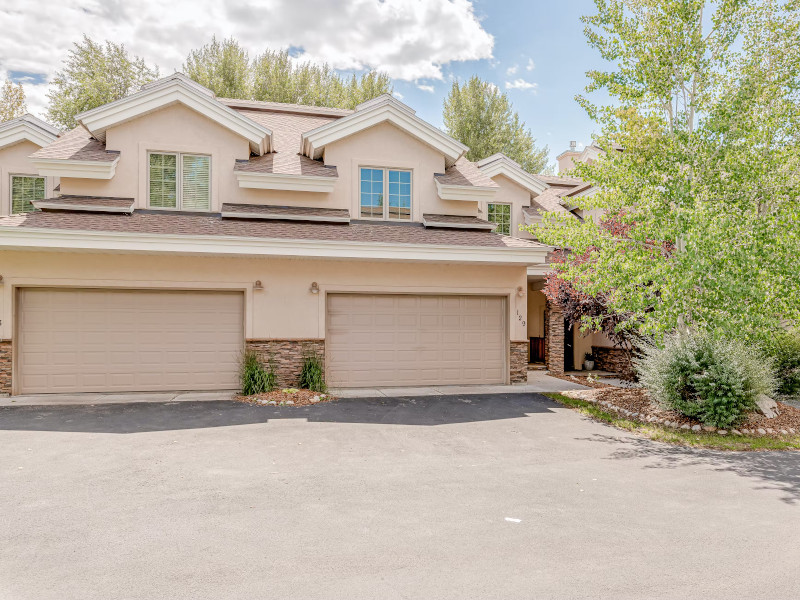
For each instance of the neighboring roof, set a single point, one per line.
(175, 88)
(179, 224)
(26, 128)
(77, 144)
(288, 213)
(302, 109)
(560, 180)
(86, 204)
(456, 222)
(385, 108)
(465, 173)
(500, 164)
(287, 130)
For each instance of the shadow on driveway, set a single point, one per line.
(143, 417)
(775, 470)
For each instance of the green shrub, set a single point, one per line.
(784, 349)
(712, 379)
(312, 374)
(255, 378)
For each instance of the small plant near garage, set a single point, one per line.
(256, 379)
(312, 374)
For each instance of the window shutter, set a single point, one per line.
(196, 183)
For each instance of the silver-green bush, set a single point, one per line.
(710, 378)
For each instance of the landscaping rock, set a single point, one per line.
(722, 432)
(694, 427)
(762, 431)
(686, 426)
(291, 402)
(709, 428)
(767, 406)
(736, 432)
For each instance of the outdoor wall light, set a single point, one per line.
(1, 280)
(520, 291)
(257, 285)
(314, 289)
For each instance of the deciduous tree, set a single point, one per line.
(481, 116)
(705, 103)
(12, 101)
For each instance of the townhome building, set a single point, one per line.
(171, 230)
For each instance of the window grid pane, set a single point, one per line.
(400, 195)
(500, 214)
(371, 193)
(164, 180)
(23, 191)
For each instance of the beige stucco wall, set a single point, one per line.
(171, 129)
(514, 194)
(180, 129)
(14, 161)
(285, 308)
(384, 145)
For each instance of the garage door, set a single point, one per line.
(73, 340)
(397, 340)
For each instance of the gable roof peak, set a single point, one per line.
(500, 164)
(27, 127)
(175, 89)
(385, 100)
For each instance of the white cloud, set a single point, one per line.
(493, 86)
(405, 38)
(426, 88)
(521, 84)
(397, 95)
(531, 65)
(512, 70)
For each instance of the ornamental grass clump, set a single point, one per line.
(706, 377)
(254, 377)
(312, 373)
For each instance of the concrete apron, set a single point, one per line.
(537, 383)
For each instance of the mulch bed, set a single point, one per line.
(635, 404)
(287, 397)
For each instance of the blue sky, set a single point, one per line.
(422, 44)
(549, 33)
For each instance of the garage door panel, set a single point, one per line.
(94, 340)
(415, 340)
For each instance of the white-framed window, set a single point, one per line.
(501, 215)
(179, 181)
(24, 190)
(384, 194)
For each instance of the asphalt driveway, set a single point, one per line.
(501, 496)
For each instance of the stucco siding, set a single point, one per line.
(14, 161)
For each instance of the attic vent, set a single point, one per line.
(572, 145)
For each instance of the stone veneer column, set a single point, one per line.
(519, 362)
(286, 356)
(554, 339)
(5, 367)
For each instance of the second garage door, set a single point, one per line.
(91, 340)
(405, 340)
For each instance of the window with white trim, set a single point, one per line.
(500, 214)
(385, 194)
(179, 181)
(24, 190)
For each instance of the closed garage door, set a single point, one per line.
(396, 340)
(82, 340)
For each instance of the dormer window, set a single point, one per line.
(179, 181)
(24, 190)
(385, 194)
(500, 215)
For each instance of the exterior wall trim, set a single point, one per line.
(22, 237)
(81, 169)
(277, 181)
(468, 193)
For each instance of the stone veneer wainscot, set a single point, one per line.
(5, 367)
(286, 356)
